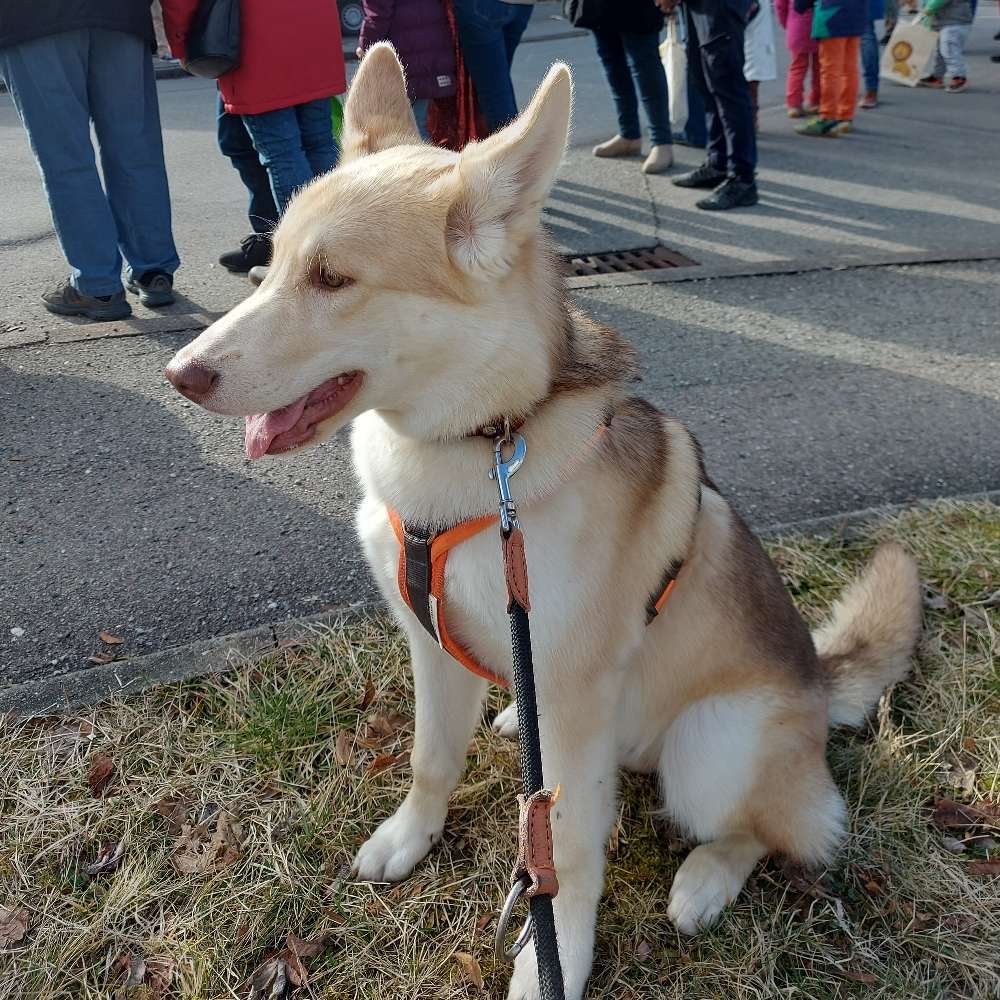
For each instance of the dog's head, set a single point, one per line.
(393, 278)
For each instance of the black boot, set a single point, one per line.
(733, 194)
(254, 251)
(705, 176)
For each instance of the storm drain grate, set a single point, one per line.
(618, 261)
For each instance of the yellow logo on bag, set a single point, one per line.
(901, 51)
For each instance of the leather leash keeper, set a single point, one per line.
(534, 874)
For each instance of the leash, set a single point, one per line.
(534, 873)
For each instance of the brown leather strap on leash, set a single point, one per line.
(534, 844)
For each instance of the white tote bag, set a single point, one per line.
(674, 56)
(908, 55)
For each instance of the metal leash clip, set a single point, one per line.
(500, 950)
(503, 469)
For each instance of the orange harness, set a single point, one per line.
(420, 577)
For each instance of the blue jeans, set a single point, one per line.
(627, 56)
(870, 55)
(420, 108)
(489, 31)
(62, 82)
(291, 146)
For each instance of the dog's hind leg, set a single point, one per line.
(448, 705)
(745, 773)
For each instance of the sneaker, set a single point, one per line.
(870, 100)
(822, 127)
(842, 127)
(618, 146)
(154, 288)
(732, 194)
(705, 176)
(255, 249)
(660, 159)
(67, 300)
(798, 112)
(930, 81)
(956, 85)
(995, 58)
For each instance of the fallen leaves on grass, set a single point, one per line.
(109, 858)
(13, 926)
(471, 971)
(989, 866)
(102, 770)
(643, 950)
(174, 810)
(368, 696)
(283, 970)
(387, 761)
(128, 971)
(951, 815)
(343, 751)
(206, 848)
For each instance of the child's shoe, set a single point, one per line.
(842, 127)
(796, 112)
(930, 81)
(956, 85)
(821, 127)
(870, 100)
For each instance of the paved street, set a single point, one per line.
(128, 509)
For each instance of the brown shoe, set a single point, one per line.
(619, 147)
(870, 100)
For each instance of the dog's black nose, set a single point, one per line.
(192, 379)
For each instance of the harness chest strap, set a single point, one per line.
(421, 581)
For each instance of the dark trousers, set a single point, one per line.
(628, 56)
(715, 51)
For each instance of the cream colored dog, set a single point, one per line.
(413, 293)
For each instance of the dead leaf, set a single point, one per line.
(343, 751)
(990, 866)
(969, 742)
(283, 970)
(368, 697)
(961, 771)
(108, 860)
(386, 761)
(101, 658)
(857, 977)
(949, 814)
(483, 921)
(643, 950)
(174, 810)
(953, 844)
(470, 968)
(102, 769)
(614, 841)
(201, 850)
(110, 639)
(13, 926)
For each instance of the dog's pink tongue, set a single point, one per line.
(263, 428)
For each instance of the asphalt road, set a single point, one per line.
(126, 509)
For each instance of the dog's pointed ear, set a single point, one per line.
(503, 181)
(378, 113)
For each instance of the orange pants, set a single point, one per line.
(838, 77)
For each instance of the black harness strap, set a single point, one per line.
(417, 552)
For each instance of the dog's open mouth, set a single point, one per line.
(295, 424)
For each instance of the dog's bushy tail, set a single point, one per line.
(868, 641)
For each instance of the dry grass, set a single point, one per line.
(899, 915)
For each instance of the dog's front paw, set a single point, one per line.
(505, 724)
(393, 850)
(703, 887)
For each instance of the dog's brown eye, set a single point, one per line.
(328, 278)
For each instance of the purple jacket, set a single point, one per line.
(419, 31)
(798, 27)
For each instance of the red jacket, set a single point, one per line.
(290, 52)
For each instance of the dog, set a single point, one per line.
(414, 295)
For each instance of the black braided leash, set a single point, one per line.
(541, 919)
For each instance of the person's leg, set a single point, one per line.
(830, 77)
(47, 79)
(278, 141)
(815, 80)
(717, 153)
(643, 52)
(724, 60)
(951, 43)
(126, 116)
(797, 67)
(481, 32)
(235, 143)
(421, 106)
(870, 58)
(316, 128)
(611, 50)
(851, 78)
(517, 17)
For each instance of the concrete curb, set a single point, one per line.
(80, 688)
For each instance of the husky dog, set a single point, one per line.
(413, 294)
